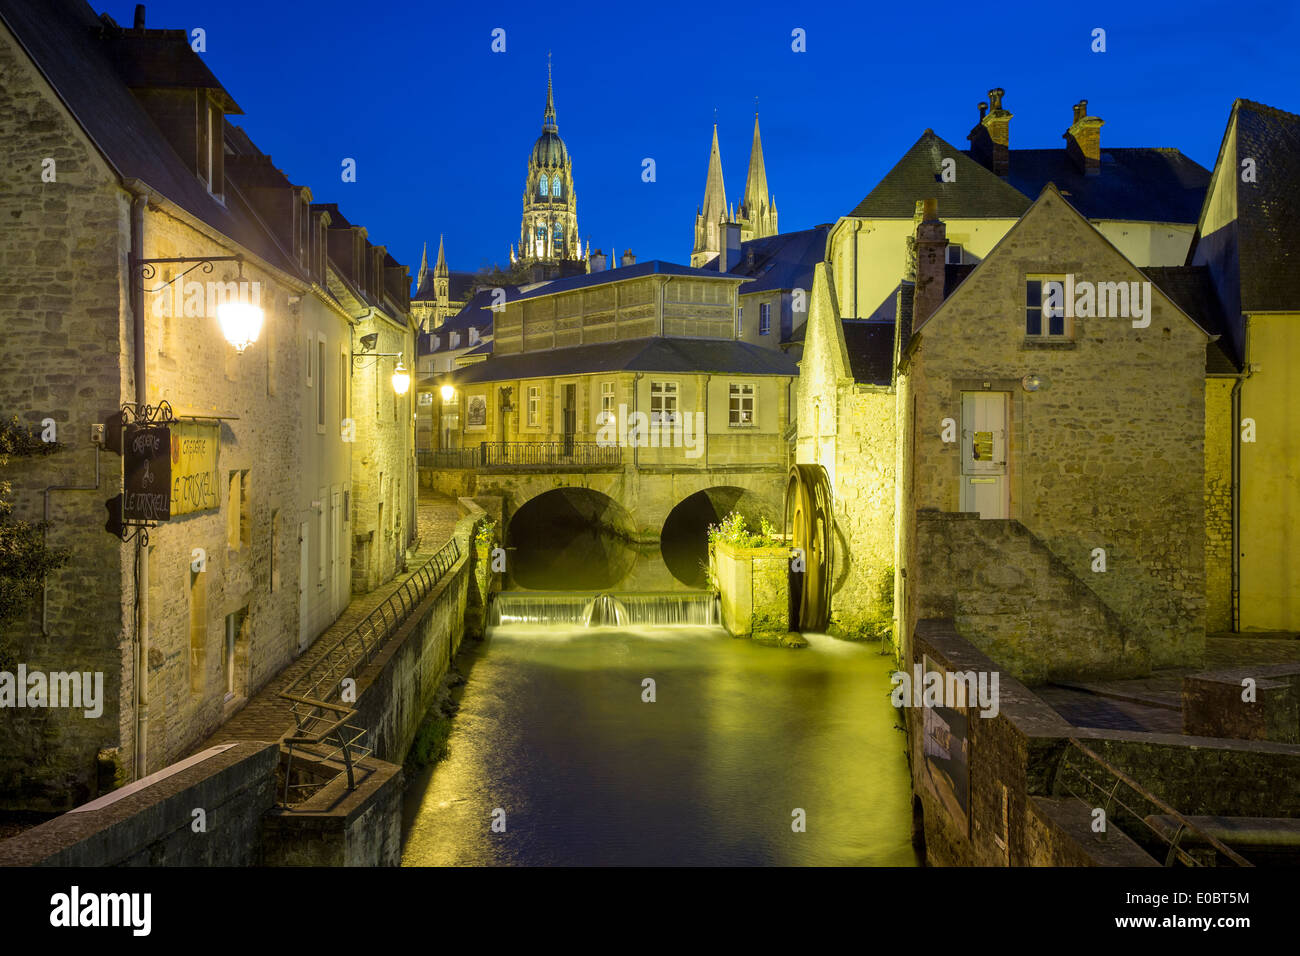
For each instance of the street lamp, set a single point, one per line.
(448, 393)
(401, 379)
(241, 322)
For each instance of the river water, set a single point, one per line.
(554, 740)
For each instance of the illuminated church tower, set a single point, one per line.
(757, 215)
(548, 234)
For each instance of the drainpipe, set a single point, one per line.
(705, 436)
(140, 197)
(636, 445)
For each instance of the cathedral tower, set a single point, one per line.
(757, 214)
(548, 234)
(713, 212)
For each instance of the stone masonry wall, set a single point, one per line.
(1110, 454)
(1218, 504)
(63, 289)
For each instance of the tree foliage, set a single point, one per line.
(24, 558)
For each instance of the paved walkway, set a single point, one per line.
(267, 716)
(1155, 703)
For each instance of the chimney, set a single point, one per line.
(596, 262)
(931, 247)
(1083, 140)
(628, 259)
(989, 140)
(139, 16)
(729, 247)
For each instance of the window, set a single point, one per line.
(555, 187)
(740, 412)
(1037, 307)
(663, 403)
(607, 410)
(534, 406)
(740, 321)
(320, 385)
(275, 550)
(542, 188)
(764, 319)
(311, 356)
(238, 525)
(558, 234)
(954, 254)
(198, 628)
(541, 235)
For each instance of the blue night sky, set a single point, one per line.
(441, 127)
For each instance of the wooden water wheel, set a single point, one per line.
(809, 524)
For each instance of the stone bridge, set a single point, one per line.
(636, 502)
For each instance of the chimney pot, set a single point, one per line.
(139, 16)
(995, 97)
(983, 108)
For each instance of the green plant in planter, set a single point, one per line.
(732, 530)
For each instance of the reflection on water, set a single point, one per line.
(552, 729)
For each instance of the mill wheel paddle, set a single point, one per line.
(808, 521)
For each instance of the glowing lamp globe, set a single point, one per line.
(401, 379)
(448, 393)
(241, 323)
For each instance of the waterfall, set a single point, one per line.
(629, 609)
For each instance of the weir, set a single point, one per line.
(606, 609)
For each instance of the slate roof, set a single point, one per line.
(63, 38)
(476, 313)
(783, 261)
(656, 354)
(1144, 184)
(1192, 289)
(621, 274)
(870, 343)
(459, 285)
(975, 194)
(1268, 210)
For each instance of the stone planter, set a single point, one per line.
(754, 589)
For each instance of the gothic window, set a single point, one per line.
(542, 187)
(559, 235)
(541, 235)
(555, 187)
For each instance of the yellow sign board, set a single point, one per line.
(194, 467)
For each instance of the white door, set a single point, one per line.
(304, 573)
(984, 486)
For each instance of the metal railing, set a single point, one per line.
(320, 717)
(523, 455)
(1087, 776)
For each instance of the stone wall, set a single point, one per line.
(754, 589)
(63, 283)
(1219, 429)
(1017, 602)
(156, 823)
(1109, 454)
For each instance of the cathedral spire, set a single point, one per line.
(548, 118)
(440, 268)
(756, 182)
(424, 269)
(715, 194)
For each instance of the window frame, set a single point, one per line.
(765, 318)
(664, 392)
(1044, 333)
(736, 399)
(534, 406)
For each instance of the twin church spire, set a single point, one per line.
(757, 215)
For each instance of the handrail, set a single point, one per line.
(534, 454)
(313, 692)
(1185, 825)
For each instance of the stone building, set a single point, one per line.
(1034, 417)
(1143, 200)
(440, 292)
(130, 155)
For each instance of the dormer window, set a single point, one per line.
(210, 158)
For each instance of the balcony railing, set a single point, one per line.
(558, 455)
